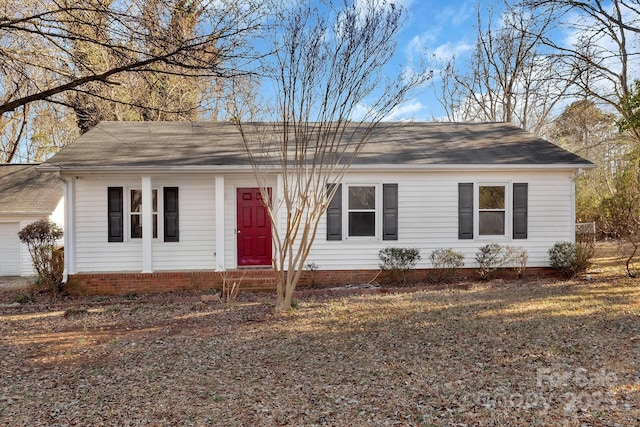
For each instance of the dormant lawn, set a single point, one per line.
(502, 353)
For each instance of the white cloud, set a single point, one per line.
(449, 50)
(418, 46)
(405, 112)
(409, 111)
(404, 3)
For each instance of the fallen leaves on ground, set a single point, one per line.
(531, 353)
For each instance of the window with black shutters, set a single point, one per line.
(115, 213)
(171, 217)
(361, 214)
(492, 215)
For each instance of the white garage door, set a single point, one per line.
(9, 249)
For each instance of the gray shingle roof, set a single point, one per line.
(164, 144)
(25, 190)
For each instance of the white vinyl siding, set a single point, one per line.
(427, 220)
(194, 251)
(196, 246)
(10, 250)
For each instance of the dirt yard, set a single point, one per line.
(523, 353)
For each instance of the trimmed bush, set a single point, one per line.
(446, 262)
(398, 260)
(570, 259)
(516, 258)
(489, 258)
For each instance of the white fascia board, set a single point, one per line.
(24, 213)
(70, 170)
(471, 167)
(355, 167)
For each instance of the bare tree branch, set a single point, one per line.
(327, 66)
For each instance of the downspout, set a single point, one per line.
(68, 224)
(575, 176)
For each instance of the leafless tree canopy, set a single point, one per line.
(509, 76)
(604, 52)
(113, 59)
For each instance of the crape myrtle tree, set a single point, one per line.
(330, 93)
(115, 59)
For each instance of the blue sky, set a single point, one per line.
(435, 29)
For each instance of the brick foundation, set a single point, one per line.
(257, 280)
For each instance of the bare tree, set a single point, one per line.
(85, 53)
(330, 94)
(604, 50)
(508, 77)
(592, 133)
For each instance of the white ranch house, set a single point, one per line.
(423, 185)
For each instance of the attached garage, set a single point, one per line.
(26, 195)
(9, 249)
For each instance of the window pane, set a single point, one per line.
(362, 198)
(155, 200)
(362, 224)
(491, 197)
(136, 200)
(491, 223)
(136, 227)
(155, 226)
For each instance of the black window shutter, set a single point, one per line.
(334, 214)
(520, 207)
(389, 211)
(171, 217)
(465, 211)
(115, 214)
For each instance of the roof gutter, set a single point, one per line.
(30, 213)
(355, 167)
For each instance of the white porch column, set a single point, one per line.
(147, 225)
(219, 220)
(69, 228)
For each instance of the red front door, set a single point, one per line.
(254, 228)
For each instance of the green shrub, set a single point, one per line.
(570, 259)
(398, 260)
(489, 258)
(40, 237)
(516, 258)
(447, 262)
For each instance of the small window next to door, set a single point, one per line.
(491, 210)
(136, 214)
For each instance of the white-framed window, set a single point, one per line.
(362, 210)
(492, 209)
(135, 213)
